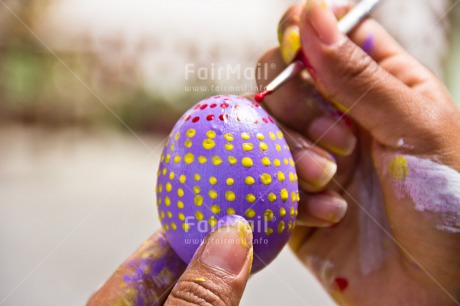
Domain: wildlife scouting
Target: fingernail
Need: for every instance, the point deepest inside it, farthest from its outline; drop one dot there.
(323, 21)
(332, 135)
(315, 170)
(229, 244)
(328, 208)
(290, 43)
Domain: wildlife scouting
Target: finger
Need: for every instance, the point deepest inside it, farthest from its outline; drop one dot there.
(297, 103)
(220, 268)
(353, 81)
(321, 210)
(315, 167)
(145, 278)
(289, 31)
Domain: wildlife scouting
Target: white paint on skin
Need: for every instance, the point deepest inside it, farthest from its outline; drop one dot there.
(435, 188)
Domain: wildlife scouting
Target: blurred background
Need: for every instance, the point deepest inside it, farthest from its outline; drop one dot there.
(88, 91)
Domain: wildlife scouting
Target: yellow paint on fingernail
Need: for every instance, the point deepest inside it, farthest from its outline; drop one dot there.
(290, 43)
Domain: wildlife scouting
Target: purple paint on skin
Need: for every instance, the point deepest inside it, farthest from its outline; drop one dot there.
(368, 44)
(433, 187)
(154, 268)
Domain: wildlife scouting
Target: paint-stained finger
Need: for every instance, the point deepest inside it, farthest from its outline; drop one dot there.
(145, 278)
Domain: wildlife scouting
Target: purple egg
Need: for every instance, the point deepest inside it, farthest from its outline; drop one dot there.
(225, 156)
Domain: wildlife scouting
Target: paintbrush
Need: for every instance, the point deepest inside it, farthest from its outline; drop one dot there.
(346, 24)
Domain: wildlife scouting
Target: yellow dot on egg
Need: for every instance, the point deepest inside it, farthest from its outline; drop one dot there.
(293, 196)
(291, 161)
(190, 133)
(167, 201)
(281, 176)
(162, 157)
(196, 189)
(198, 200)
(247, 162)
(171, 147)
(189, 158)
(229, 146)
(182, 178)
(188, 143)
(292, 212)
(260, 136)
(282, 212)
(215, 209)
(173, 226)
(168, 187)
(169, 214)
(180, 192)
(212, 221)
(177, 159)
(166, 227)
(230, 196)
(181, 216)
(271, 197)
(269, 231)
(272, 135)
(291, 177)
(278, 147)
(249, 180)
(297, 196)
(159, 200)
(290, 226)
(286, 161)
(172, 175)
(176, 137)
(211, 134)
(228, 137)
(162, 214)
(197, 177)
(263, 146)
(185, 227)
(229, 181)
(158, 172)
(164, 171)
(268, 214)
(281, 227)
(168, 158)
(180, 204)
(199, 215)
(160, 188)
(250, 198)
(232, 160)
(245, 136)
(284, 195)
(212, 180)
(277, 162)
(230, 211)
(247, 146)
(266, 178)
(280, 134)
(216, 160)
(250, 213)
(266, 161)
(213, 194)
(208, 144)
(202, 159)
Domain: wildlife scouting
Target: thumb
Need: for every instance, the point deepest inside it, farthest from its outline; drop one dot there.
(351, 79)
(220, 268)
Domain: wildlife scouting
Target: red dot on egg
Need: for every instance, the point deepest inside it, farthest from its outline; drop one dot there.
(197, 106)
(210, 117)
(342, 283)
(213, 105)
(265, 120)
(195, 119)
(188, 117)
(271, 120)
(216, 97)
(224, 105)
(223, 117)
(203, 106)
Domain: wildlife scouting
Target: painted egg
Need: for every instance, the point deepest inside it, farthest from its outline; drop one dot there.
(226, 155)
